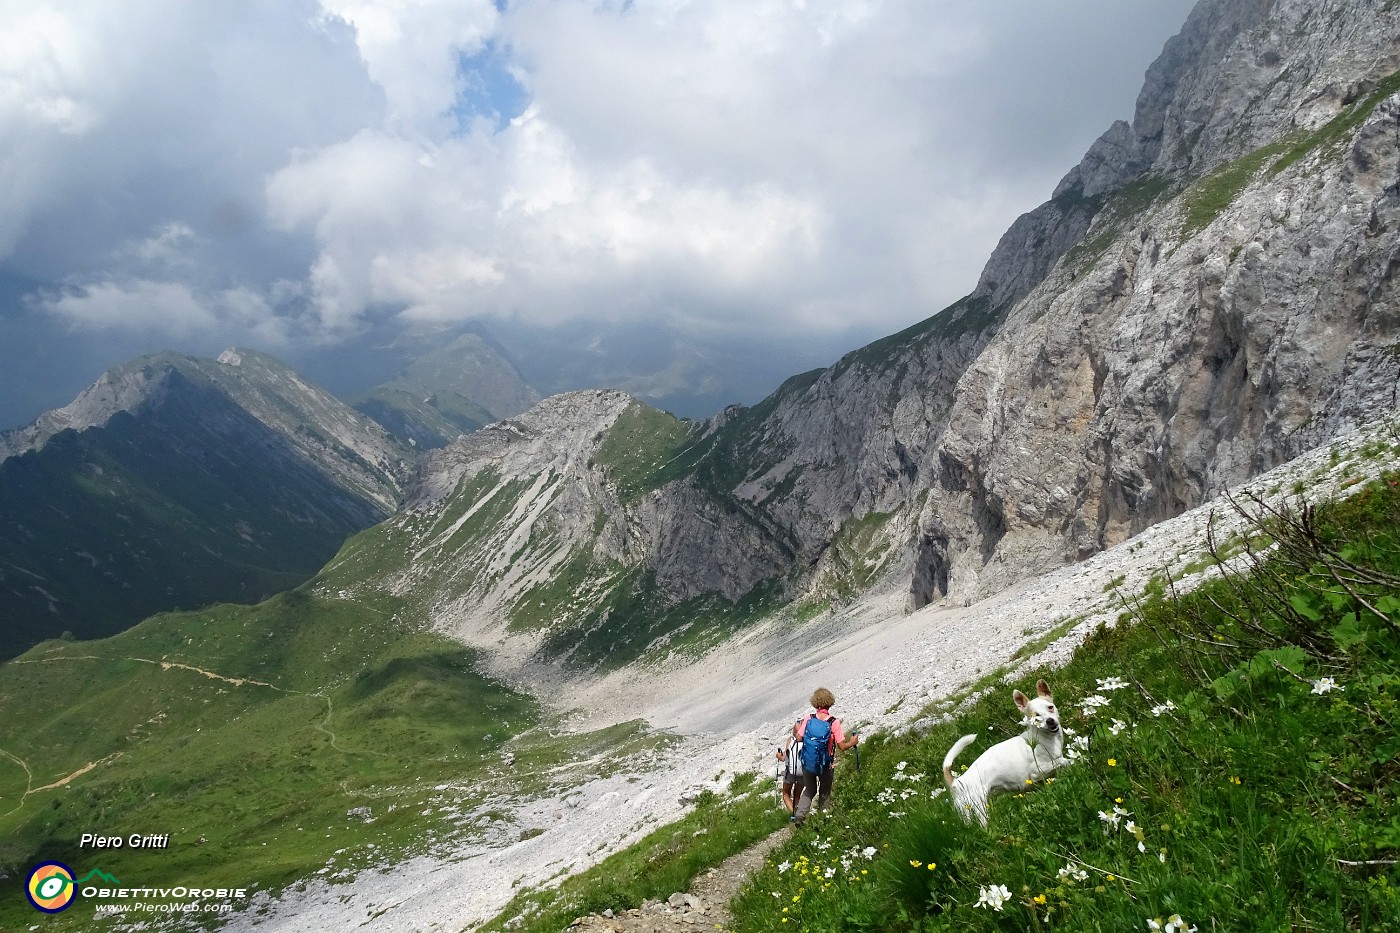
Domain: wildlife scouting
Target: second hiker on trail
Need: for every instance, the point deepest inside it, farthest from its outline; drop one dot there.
(820, 734)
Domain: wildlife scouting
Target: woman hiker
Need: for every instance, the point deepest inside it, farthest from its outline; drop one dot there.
(820, 734)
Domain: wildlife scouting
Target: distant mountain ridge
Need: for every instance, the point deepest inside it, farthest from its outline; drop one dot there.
(447, 392)
(175, 482)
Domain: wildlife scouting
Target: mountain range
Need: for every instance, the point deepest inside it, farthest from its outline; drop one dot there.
(1209, 293)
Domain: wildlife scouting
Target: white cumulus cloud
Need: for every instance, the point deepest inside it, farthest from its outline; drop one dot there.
(297, 168)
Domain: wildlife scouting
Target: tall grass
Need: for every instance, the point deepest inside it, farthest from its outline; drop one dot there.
(1238, 773)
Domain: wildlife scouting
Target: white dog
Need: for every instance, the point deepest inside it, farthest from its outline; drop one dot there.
(1013, 764)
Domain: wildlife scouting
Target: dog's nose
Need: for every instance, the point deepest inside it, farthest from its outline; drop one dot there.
(1052, 724)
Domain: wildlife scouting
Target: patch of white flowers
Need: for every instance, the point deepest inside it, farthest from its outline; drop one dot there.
(1092, 702)
(993, 896)
(1112, 819)
(1077, 746)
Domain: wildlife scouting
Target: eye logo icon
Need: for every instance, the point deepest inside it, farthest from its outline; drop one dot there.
(50, 887)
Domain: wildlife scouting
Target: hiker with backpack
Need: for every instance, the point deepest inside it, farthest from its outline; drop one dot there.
(820, 734)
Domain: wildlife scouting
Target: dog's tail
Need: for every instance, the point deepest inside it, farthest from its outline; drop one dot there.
(953, 752)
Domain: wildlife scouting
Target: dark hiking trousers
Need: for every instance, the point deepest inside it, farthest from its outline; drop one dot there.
(813, 788)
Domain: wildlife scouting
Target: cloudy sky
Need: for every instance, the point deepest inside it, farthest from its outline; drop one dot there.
(297, 175)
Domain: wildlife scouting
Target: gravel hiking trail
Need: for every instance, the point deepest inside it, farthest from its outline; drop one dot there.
(704, 907)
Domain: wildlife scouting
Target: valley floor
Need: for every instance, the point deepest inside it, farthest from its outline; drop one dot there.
(733, 706)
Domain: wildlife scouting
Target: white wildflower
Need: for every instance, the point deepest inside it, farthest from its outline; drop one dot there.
(1114, 818)
(1093, 702)
(993, 896)
(1163, 708)
(1072, 872)
(1117, 727)
(1325, 685)
(1112, 683)
(784, 867)
(868, 852)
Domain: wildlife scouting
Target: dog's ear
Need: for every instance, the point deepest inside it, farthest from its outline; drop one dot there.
(1020, 698)
(1042, 688)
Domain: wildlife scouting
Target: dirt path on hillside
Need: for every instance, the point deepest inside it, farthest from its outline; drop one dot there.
(704, 907)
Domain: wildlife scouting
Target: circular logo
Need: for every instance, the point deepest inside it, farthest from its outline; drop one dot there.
(50, 887)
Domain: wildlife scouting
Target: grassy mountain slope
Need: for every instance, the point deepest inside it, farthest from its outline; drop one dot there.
(1237, 770)
(304, 736)
(220, 483)
(579, 533)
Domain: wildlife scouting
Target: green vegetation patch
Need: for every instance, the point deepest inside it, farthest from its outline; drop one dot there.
(149, 513)
(637, 619)
(967, 315)
(1211, 195)
(1123, 207)
(431, 422)
(1335, 132)
(1205, 200)
(568, 596)
(858, 553)
(739, 450)
(301, 736)
(639, 444)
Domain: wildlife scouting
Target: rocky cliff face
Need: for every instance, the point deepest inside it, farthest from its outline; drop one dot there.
(1210, 292)
(1232, 305)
